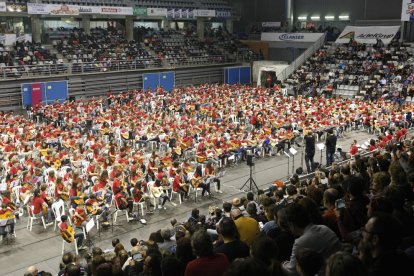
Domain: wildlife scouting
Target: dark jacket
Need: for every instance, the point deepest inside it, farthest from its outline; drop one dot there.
(330, 143)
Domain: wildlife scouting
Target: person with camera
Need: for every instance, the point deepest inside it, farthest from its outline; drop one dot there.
(309, 151)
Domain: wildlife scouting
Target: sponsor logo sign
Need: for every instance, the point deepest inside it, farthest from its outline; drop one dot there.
(204, 13)
(2, 6)
(297, 37)
(407, 13)
(368, 35)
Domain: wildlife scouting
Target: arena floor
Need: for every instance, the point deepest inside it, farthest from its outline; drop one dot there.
(42, 248)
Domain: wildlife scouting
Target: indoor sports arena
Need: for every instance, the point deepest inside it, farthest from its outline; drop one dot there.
(206, 137)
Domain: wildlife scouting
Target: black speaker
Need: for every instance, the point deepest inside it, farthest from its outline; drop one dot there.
(197, 107)
(249, 160)
(89, 123)
(72, 99)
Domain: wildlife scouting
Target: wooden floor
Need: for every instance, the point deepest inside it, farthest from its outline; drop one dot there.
(43, 247)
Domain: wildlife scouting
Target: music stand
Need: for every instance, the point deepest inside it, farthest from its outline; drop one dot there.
(321, 147)
(88, 227)
(293, 152)
(250, 180)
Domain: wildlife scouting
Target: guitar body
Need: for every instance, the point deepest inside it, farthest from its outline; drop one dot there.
(195, 182)
(80, 199)
(68, 235)
(93, 209)
(44, 210)
(156, 191)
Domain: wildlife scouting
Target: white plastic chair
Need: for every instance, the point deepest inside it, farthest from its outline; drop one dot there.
(119, 210)
(31, 217)
(140, 204)
(58, 209)
(74, 243)
(150, 184)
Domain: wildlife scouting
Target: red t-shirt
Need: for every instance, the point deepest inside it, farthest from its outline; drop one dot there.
(176, 183)
(117, 183)
(118, 197)
(37, 205)
(353, 150)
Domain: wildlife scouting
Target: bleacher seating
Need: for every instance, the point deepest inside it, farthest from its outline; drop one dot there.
(351, 70)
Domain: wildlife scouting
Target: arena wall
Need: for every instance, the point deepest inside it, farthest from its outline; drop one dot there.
(97, 84)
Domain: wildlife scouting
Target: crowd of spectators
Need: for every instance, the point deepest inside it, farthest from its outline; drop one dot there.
(201, 119)
(375, 70)
(103, 48)
(358, 222)
(184, 47)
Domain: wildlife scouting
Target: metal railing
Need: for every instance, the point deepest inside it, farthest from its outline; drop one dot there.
(27, 71)
(283, 75)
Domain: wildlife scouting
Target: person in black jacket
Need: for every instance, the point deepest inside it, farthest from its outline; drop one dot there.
(330, 144)
(309, 151)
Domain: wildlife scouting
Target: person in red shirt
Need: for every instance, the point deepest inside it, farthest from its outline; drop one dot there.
(5, 210)
(117, 181)
(80, 216)
(40, 208)
(354, 149)
(210, 173)
(64, 228)
(61, 192)
(123, 201)
(96, 207)
(372, 145)
(179, 185)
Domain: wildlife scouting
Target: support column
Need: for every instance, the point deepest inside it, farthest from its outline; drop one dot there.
(229, 25)
(86, 24)
(36, 28)
(129, 28)
(289, 14)
(165, 24)
(200, 27)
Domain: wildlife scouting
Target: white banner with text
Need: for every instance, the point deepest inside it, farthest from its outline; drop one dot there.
(296, 37)
(368, 35)
(407, 13)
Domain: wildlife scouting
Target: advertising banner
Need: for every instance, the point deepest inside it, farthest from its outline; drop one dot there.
(21, 37)
(140, 11)
(156, 12)
(271, 24)
(89, 10)
(368, 35)
(2, 6)
(204, 13)
(15, 7)
(223, 14)
(70, 10)
(407, 13)
(33, 8)
(116, 10)
(8, 39)
(297, 37)
(170, 13)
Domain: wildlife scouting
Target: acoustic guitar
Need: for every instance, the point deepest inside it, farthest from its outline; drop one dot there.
(195, 182)
(68, 235)
(156, 191)
(93, 209)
